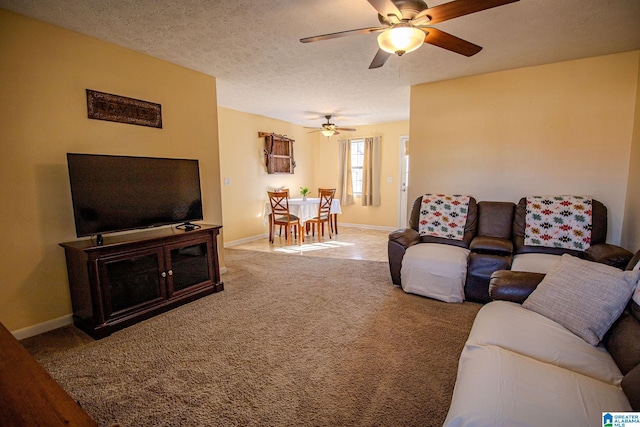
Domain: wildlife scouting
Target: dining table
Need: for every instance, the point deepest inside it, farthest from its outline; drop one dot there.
(305, 209)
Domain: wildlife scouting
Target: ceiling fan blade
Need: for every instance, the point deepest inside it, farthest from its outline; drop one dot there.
(346, 129)
(447, 41)
(379, 60)
(342, 34)
(457, 8)
(317, 130)
(386, 8)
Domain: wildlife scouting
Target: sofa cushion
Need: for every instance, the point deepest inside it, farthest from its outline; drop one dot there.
(491, 245)
(495, 219)
(514, 328)
(497, 387)
(583, 296)
(434, 270)
(534, 263)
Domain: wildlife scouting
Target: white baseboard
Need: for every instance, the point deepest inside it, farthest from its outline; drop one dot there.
(340, 224)
(245, 240)
(368, 227)
(41, 328)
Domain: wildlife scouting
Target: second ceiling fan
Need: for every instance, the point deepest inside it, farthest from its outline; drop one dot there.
(329, 129)
(406, 25)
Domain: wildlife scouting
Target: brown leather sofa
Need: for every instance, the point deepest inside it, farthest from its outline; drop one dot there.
(494, 234)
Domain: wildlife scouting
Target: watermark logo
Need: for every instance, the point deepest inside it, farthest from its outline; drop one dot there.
(621, 419)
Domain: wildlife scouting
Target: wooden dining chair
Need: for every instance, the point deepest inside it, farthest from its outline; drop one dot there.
(285, 190)
(324, 213)
(280, 215)
(331, 217)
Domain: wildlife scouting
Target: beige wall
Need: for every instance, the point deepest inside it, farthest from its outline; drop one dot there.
(44, 71)
(631, 228)
(241, 151)
(385, 215)
(562, 128)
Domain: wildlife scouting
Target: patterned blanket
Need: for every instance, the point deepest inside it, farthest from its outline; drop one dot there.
(559, 222)
(443, 216)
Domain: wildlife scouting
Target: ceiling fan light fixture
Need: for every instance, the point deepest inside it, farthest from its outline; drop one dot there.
(401, 39)
(328, 132)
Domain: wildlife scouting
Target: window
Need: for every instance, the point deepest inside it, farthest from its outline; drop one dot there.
(357, 161)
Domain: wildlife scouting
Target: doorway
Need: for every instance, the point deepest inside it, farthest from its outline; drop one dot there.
(403, 181)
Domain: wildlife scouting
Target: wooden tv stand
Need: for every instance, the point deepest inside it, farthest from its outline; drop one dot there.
(132, 277)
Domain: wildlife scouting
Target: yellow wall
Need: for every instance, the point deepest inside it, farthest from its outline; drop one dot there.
(44, 71)
(385, 215)
(631, 228)
(562, 128)
(241, 151)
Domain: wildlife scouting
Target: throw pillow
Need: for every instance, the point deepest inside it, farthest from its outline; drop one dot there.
(583, 296)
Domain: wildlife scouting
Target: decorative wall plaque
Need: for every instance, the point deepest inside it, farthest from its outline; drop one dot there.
(278, 153)
(115, 108)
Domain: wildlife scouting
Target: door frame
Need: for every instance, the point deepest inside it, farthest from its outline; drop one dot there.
(403, 187)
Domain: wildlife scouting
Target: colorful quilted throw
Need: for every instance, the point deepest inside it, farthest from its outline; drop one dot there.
(443, 216)
(559, 222)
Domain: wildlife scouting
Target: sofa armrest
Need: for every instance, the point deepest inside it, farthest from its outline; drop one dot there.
(405, 237)
(397, 245)
(514, 286)
(606, 253)
(491, 245)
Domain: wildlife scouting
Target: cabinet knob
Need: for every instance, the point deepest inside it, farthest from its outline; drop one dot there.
(164, 274)
(170, 272)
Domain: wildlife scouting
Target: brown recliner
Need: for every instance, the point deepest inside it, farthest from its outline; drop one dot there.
(401, 239)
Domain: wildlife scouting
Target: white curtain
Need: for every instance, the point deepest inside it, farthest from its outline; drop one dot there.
(371, 172)
(345, 189)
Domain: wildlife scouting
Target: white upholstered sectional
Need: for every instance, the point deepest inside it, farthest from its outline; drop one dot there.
(519, 368)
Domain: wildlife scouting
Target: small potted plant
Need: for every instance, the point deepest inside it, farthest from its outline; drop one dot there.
(305, 192)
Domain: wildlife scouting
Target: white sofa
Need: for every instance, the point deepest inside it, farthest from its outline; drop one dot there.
(520, 368)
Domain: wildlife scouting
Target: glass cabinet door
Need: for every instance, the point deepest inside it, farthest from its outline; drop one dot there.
(130, 282)
(190, 265)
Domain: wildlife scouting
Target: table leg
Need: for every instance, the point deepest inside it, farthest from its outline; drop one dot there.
(270, 228)
(334, 224)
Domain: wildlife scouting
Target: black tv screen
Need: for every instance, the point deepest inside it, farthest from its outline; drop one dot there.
(117, 193)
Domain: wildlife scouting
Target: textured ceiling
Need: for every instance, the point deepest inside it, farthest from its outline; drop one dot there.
(252, 47)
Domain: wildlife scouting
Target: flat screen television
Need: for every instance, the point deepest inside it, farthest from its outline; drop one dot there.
(118, 193)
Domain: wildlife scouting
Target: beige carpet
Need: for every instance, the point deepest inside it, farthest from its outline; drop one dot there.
(291, 341)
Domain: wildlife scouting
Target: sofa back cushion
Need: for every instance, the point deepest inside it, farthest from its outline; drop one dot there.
(495, 219)
(623, 339)
(623, 343)
(598, 230)
(470, 228)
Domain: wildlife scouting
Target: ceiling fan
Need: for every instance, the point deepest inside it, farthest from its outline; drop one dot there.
(329, 129)
(406, 26)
